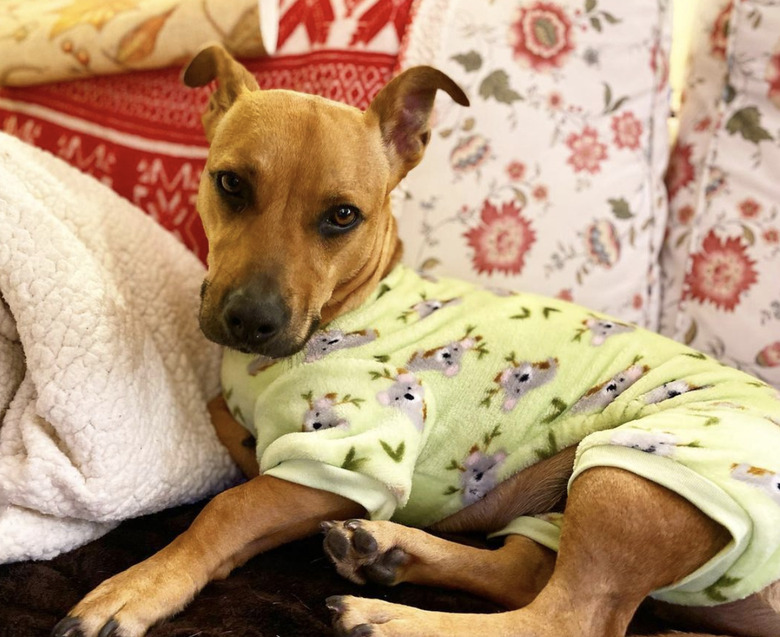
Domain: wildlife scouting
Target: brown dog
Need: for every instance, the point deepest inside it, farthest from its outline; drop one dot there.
(295, 203)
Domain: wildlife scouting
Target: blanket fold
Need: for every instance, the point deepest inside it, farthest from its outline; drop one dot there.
(104, 374)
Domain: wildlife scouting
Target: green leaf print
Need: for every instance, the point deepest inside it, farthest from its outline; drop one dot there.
(383, 289)
(481, 350)
(382, 358)
(471, 61)
(488, 399)
(524, 314)
(549, 310)
(490, 437)
(620, 208)
(351, 462)
(715, 593)
(238, 415)
(496, 85)
(353, 400)
(550, 450)
(558, 407)
(450, 490)
(747, 122)
(396, 454)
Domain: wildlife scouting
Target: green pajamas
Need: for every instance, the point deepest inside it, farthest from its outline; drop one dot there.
(421, 401)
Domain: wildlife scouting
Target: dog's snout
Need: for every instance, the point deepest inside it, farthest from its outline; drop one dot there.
(252, 319)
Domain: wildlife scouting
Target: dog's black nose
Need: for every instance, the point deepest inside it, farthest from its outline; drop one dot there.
(252, 318)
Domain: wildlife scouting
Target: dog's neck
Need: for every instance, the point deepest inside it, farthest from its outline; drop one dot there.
(385, 255)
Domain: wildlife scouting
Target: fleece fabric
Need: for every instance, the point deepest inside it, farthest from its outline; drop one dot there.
(104, 374)
(421, 401)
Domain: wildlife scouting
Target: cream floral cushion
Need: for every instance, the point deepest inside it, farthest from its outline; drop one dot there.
(51, 40)
(552, 180)
(722, 259)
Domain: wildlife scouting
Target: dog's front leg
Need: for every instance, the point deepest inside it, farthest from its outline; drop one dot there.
(234, 437)
(237, 524)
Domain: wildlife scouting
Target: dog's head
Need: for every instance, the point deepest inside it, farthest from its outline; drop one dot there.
(295, 199)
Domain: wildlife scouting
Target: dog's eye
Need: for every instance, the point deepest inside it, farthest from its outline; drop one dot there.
(340, 218)
(230, 183)
(343, 216)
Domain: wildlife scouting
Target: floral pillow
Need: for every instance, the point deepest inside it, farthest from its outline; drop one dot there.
(705, 81)
(725, 240)
(552, 181)
(53, 40)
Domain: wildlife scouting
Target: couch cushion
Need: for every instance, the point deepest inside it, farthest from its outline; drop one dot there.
(723, 254)
(552, 180)
(52, 40)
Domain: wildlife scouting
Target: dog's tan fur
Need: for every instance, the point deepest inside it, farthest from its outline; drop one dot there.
(298, 156)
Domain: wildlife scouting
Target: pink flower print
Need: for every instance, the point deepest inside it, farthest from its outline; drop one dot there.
(541, 36)
(769, 356)
(771, 235)
(587, 151)
(749, 208)
(680, 172)
(501, 240)
(773, 78)
(719, 36)
(685, 214)
(516, 170)
(539, 192)
(703, 124)
(555, 100)
(720, 272)
(627, 130)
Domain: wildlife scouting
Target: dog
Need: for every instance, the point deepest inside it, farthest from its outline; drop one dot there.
(303, 275)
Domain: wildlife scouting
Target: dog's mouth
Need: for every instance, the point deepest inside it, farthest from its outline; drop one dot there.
(283, 343)
(281, 347)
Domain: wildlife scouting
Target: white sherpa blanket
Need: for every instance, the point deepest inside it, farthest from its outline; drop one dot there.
(104, 374)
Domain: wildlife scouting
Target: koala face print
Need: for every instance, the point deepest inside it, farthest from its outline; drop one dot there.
(327, 342)
(656, 442)
(601, 330)
(766, 480)
(667, 391)
(322, 415)
(428, 307)
(407, 395)
(445, 359)
(479, 476)
(602, 395)
(517, 381)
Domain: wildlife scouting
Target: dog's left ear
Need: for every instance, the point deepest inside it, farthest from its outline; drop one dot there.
(215, 63)
(403, 110)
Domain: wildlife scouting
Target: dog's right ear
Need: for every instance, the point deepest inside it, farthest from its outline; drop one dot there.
(215, 63)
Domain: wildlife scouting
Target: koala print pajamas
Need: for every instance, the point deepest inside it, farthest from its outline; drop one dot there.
(424, 399)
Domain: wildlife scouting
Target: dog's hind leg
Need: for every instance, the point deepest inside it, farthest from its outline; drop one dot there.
(389, 553)
(623, 537)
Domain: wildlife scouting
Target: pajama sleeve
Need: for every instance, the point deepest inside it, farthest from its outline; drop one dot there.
(352, 427)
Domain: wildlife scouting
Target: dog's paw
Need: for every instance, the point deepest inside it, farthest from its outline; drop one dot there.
(365, 551)
(127, 604)
(361, 617)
